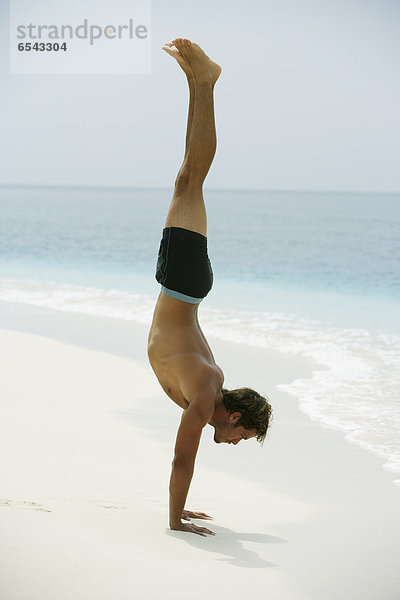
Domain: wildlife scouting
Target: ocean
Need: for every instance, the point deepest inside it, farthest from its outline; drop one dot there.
(313, 274)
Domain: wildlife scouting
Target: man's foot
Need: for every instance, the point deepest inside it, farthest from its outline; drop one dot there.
(174, 52)
(202, 67)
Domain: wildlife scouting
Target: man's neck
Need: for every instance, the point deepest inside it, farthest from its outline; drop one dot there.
(219, 412)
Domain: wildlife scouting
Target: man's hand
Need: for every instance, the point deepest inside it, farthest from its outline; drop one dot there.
(189, 514)
(192, 528)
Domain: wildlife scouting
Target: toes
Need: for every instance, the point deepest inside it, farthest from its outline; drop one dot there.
(181, 48)
(168, 50)
(172, 50)
(187, 44)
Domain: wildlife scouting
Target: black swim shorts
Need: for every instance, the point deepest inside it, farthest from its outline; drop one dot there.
(183, 267)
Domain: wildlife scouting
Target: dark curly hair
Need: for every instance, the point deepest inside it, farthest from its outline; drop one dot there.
(255, 409)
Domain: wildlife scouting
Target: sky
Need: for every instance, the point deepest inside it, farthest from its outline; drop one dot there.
(308, 99)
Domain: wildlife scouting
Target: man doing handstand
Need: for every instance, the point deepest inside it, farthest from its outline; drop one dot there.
(178, 351)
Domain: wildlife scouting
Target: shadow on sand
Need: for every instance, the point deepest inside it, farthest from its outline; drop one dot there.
(229, 543)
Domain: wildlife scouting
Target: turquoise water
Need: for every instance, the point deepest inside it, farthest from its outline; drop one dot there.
(313, 274)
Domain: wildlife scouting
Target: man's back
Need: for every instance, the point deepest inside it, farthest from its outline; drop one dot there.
(179, 353)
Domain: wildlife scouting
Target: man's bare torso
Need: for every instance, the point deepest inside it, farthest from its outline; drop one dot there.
(179, 353)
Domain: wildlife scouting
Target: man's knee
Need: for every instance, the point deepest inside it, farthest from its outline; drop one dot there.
(187, 178)
(182, 180)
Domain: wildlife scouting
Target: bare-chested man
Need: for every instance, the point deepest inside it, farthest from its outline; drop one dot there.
(178, 351)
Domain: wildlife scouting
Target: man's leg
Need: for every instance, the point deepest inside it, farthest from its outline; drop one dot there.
(174, 52)
(187, 208)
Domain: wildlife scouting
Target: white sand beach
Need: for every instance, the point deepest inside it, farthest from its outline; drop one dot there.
(86, 442)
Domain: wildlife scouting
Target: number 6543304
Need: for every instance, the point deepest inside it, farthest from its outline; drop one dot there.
(42, 46)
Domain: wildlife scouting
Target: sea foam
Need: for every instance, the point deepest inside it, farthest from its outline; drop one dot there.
(356, 391)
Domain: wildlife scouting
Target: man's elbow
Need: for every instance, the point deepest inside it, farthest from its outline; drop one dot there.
(182, 466)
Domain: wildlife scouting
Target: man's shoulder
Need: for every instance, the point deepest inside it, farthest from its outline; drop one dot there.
(205, 379)
(203, 391)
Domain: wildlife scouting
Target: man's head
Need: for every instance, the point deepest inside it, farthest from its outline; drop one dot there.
(243, 414)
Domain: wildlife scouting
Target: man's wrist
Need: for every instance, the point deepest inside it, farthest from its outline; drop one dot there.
(175, 524)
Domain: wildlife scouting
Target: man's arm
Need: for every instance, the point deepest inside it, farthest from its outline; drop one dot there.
(193, 420)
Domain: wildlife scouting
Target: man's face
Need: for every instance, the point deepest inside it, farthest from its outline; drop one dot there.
(229, 434)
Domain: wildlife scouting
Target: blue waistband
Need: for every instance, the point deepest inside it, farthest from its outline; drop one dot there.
(179, 296)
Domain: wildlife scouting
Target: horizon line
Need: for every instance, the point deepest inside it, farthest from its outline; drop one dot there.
(211, 189)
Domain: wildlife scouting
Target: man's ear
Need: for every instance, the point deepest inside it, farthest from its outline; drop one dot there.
(234, 417)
